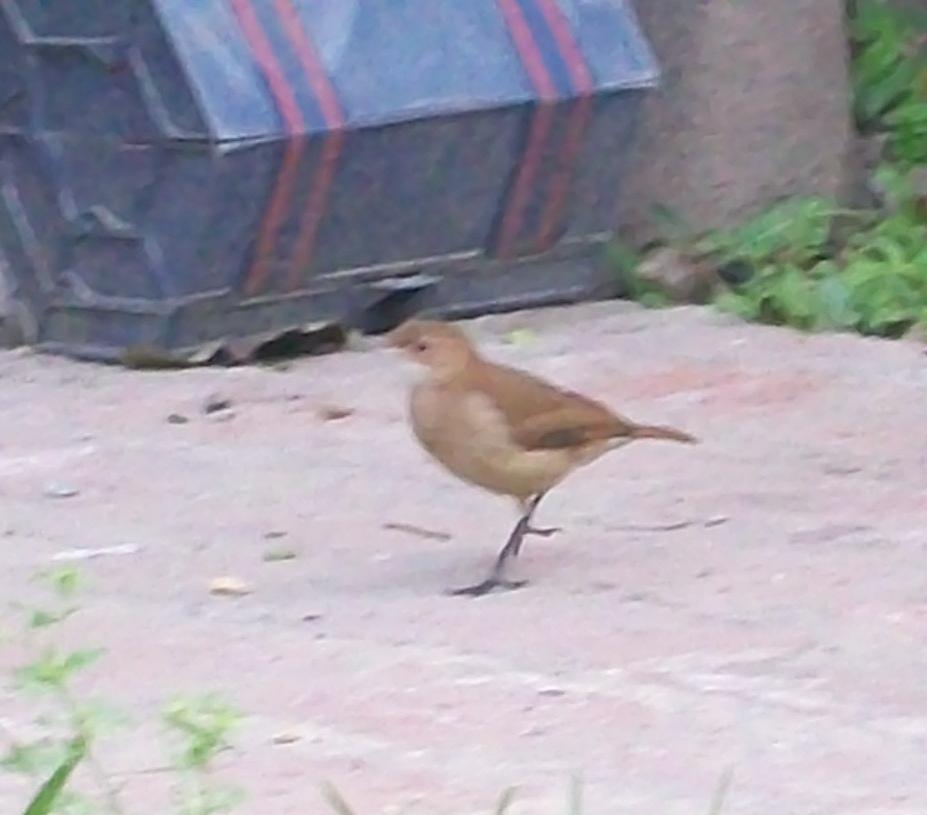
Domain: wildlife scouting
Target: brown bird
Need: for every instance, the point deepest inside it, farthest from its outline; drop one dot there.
(505, 430)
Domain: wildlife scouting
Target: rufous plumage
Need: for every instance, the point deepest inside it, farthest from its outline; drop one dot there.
(503, 429)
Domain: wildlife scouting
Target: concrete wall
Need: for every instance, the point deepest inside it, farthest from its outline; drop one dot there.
(754, 106)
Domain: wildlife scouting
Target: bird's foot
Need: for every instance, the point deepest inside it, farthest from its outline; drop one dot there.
(543, 531)
(490, 584)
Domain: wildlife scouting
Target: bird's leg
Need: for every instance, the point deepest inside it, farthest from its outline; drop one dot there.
(496, 579)
(529, 507)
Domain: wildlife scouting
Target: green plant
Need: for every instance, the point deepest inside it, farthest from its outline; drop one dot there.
(49, 794)
(71, 725)
(202, 725)
(889, 73)
(872, 280)
(794, 233)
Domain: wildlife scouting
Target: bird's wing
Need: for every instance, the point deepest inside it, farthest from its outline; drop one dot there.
(565, 428)
(541, 416)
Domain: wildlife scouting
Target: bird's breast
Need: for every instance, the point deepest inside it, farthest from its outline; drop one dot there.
(470, 436)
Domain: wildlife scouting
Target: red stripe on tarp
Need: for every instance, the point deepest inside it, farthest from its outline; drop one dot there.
(311, 63)
(569, 49)
(331, 149)
(541, 122)
(315, 207)
(577, 123)
(552, 216)
(288, 108)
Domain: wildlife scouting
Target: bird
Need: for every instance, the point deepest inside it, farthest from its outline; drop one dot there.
(503, 429)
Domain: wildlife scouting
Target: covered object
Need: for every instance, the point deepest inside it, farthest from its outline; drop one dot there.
(178, 173)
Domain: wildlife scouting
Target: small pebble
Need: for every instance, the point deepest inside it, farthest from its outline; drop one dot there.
(60, 491)
(216, 403)
(334, 413)
(277, 555)
(229, 587)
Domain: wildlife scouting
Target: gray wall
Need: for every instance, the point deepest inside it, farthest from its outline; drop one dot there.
(754, 106)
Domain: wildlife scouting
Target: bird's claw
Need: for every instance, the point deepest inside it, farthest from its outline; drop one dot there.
(543, 531)
(489, 585)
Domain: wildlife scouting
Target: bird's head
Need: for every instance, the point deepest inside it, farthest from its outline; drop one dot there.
(442, 348)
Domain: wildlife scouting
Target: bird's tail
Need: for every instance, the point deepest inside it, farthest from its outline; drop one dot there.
(644, 431)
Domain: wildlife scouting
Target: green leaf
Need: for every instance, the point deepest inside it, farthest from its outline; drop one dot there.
(740, 305)
(892, 87)
(32, 759)
(908, 137)
(54, 670)
(796, 231)
(792, 298)
(65, 581)
(888, 74)
(43, 618)
(895, 184)
(622, 257)
(836, 310)
(205, 723)
(80, 659)
(48, 795)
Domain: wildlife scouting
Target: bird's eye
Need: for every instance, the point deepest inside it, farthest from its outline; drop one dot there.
(421, 345)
